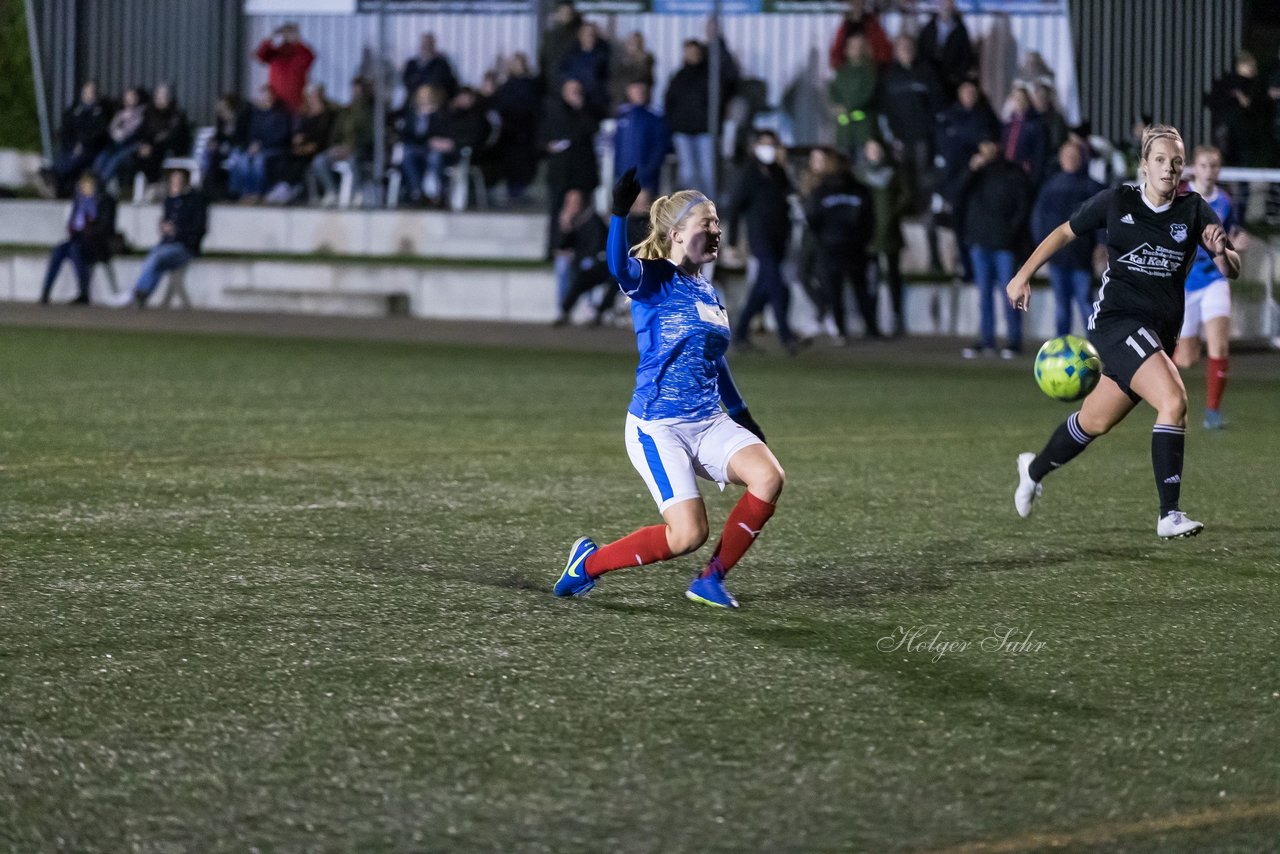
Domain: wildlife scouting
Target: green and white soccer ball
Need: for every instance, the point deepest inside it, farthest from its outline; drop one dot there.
(1067, 367)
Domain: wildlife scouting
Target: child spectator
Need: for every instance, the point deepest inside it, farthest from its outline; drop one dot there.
(90, 229)
(852, 92)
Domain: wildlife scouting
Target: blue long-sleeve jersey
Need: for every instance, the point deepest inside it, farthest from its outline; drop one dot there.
(1203, 271)
(682, 333)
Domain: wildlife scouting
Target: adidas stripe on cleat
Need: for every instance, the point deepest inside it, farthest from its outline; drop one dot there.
(574, 581)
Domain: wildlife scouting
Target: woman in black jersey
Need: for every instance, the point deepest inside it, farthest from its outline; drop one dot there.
(1152, 237)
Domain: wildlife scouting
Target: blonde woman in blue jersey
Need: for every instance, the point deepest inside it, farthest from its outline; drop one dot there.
(676, 429)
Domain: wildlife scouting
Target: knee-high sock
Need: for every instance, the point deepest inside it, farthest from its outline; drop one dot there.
(1217, 381)
(647, 545)
(1063, 446)
(1167, 443)
(745, 522)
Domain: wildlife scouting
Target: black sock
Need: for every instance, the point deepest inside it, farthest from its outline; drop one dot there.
(1167, 443)
(1063, 447)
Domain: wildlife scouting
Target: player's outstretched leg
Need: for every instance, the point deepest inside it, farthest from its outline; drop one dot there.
(685, 531)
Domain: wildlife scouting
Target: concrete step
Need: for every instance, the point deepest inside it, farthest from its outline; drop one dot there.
(308, 231)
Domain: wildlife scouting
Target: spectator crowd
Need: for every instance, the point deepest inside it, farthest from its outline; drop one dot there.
(915, 137)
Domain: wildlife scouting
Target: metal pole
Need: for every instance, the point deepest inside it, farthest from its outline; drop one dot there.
(37, 76)
(713, 97)
(380, 106)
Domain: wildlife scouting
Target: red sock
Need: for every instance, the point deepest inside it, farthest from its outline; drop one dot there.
(1217, 381)
(647, 545)
(740, 530)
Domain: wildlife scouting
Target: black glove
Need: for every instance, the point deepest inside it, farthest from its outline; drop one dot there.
(625, 192)
(744, 418)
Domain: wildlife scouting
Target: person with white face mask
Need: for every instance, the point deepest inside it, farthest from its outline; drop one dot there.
(761, 197)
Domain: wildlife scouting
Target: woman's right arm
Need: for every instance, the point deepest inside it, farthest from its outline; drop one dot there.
(1019, 288)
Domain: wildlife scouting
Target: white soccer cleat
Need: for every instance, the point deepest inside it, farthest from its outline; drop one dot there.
(1177, 524)
(1028, 490)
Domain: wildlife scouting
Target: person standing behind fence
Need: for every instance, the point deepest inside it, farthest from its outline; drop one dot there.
(90, 229)
(1071, 269)
(993, 211)
(520, 108)
(839, 215)
(628, 65)
(567, 137)
(858, 18)
(761, 197)
(288, 59)
(642, 139)
(944, 43)
(685, 108)
(892, 198)
(429, 68)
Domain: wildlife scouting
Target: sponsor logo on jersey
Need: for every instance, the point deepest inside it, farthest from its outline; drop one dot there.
(1178, 231)
(709, 313)
(1127, 219)
(1153, 260)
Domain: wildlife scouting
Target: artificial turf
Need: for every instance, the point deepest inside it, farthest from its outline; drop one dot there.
(295, 595)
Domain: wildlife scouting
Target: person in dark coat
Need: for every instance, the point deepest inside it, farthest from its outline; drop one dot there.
(230, 132)
(761, 198)
(944, 43)
(182, 228)
(1071, 269)
(166, 132)
(685, 109)
(519, 105)
(993, 210)
(82, 137)
(839, 214)
(124, 134)
(312, 133)
(567, 136)
(429, 67)
(557, 39)
(960, 128)
(90, 229)
(587, 60)
(421, 127)
(642, 138)
(858, 18)
(892, 198)
(583, 235)
(1240, 114)
(252, 168)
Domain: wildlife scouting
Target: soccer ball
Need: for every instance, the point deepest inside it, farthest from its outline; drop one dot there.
(1067, 367)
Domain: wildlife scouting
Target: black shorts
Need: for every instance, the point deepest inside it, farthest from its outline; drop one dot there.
(1124, 343)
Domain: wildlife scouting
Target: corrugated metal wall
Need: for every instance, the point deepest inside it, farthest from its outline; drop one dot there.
(198, 45)
(787, 51)
(1153, 56)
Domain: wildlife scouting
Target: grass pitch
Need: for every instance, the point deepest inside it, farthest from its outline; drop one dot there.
(295, 595)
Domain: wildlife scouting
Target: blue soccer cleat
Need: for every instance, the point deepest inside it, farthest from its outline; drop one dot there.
(574, 581)
(709, 590)
(1213, 420)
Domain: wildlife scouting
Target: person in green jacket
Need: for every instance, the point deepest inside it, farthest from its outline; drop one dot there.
(892, 198)
(352, 142)
(852, 94)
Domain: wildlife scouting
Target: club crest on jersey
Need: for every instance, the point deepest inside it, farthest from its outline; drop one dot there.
(1179, 231)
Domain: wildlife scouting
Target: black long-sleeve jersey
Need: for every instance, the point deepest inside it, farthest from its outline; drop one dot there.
(1149, 251)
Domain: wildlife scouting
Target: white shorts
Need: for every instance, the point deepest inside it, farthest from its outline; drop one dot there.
(1205, 304)
(671, 453)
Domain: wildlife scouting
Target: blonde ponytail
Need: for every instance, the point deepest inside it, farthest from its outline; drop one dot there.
(665, 215)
